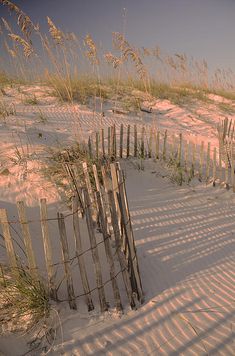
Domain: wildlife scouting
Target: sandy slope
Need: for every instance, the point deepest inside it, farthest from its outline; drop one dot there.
(185, 239)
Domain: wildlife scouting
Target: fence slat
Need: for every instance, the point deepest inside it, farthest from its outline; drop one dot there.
(66, 261)
(94, 250)
(142, 153)
(214, 166)
(200, 172)
(47, 249)
(80, 257)
(135, 141)
(97, 145)
(27, 239)
(102, 142)
(150, 142)
(103, 223)
(179, 153)
(115, 188)
(90, 147)
(232, 167)
(109, 141)
(121, 141)
(164, 146)
(124, 208)
(128, 141)
(89, 188)
(208, 160)
(8, 240)
(121, 257)
(158, 145)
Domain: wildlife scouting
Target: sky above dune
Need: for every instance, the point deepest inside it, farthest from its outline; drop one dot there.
(203, 29)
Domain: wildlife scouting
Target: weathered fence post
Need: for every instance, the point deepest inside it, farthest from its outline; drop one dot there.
(208, 159)
(8, 240)
(94, 251)
(214, 166)
(201, 160)
(135, 141)
(27, 239)
(106, 237)
(47, 249)
(102, 142)
(79, 254)
(121, 141)
(66, 261)
(128, 141)
(164, 146)
(121, 257)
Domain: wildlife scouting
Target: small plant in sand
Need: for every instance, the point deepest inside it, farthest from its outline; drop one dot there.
(6, 110)
(42, 119)
(178, 173)
(31, 100)
(24, 301)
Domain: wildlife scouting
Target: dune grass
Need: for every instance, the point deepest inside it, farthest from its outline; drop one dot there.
(23, 301)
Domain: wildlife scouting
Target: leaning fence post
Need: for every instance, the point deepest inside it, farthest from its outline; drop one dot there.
(8, 240)
(47, 248)
(106, 237)
(94, 251)
(125, 214)
(27, 239)
(121, 257)
(79, 254)
(66, 261)
(89, 188)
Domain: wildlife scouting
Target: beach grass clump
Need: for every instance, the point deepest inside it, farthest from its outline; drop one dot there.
(226, 108)
(24, 301)
(79, 90)
(65, 168)
(6, 110)
(31, 100)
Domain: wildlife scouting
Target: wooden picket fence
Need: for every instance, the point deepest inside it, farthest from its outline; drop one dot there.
(99, 203)
(210, 164)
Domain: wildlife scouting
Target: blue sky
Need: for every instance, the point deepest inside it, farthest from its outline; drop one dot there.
(199, 28)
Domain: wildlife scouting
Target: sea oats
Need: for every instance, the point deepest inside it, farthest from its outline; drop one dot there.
(27, 48)
(56, 34)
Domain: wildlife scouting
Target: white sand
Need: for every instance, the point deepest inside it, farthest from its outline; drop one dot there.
(185, 238)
